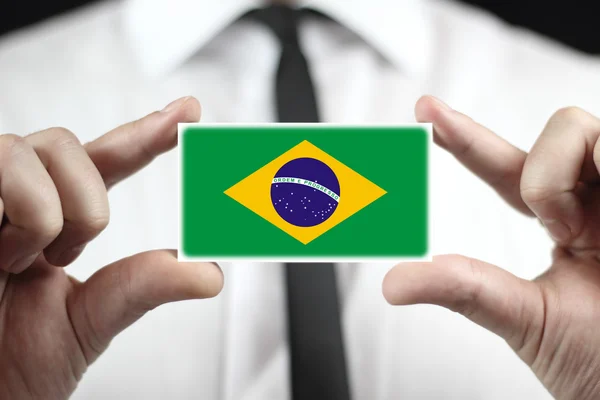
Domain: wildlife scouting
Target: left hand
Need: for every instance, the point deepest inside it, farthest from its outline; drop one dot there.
(553, 322)
(53, 327)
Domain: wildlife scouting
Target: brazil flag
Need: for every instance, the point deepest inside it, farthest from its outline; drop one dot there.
(285, 192)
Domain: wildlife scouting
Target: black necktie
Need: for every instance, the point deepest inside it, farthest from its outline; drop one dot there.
(318, 365)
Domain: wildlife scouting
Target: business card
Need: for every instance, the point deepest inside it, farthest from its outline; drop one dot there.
(304, 192)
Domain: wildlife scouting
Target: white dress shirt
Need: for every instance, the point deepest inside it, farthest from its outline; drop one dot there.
(116, 61)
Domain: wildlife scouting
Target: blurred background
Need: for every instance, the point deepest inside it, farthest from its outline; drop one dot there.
(573, 23)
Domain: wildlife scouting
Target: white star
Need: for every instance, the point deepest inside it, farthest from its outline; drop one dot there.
(276, 185)
(292, 194)
(291, 210)
(309, 201)
(304, 196)
(305, 208)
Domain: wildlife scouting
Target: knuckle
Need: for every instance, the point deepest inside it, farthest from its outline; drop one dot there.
(130, 283)
(535, 194)
(11, 144)
(63, 138)
(465, 148)
(145, 149)
(124, 279)
(469, 292)
(48, 227)
(97, 216)
(570, 114)
(134, 126)
(97, 220)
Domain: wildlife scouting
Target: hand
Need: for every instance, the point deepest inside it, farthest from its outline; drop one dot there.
(54, 201)
(552, 323)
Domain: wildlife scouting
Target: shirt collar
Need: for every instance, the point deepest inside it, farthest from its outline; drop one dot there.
(164, 34)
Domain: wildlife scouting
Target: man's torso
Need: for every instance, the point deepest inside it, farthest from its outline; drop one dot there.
(83, 73)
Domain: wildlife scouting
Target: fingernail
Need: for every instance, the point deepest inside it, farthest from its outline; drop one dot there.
(22, 264)
(558, 230)
(441, 103)
(175, 104)
(70, 255)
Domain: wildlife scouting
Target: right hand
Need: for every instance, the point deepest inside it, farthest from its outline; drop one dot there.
(53, 199)
(553, 322)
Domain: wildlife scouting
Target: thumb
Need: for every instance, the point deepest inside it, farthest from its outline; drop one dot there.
(119, 294)
(510, 307)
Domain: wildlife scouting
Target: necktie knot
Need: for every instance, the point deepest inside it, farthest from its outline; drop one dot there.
(282, 20)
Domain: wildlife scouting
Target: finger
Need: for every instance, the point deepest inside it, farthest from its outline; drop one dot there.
(128, 148)
(119, 294)
(554, 168)
(487, 295)
(484, 153)
(80, 187)
(32, 210)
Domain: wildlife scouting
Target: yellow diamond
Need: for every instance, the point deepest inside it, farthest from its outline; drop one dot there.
(253, 192)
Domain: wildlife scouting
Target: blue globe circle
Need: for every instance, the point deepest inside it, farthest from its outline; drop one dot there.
(310, 196)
